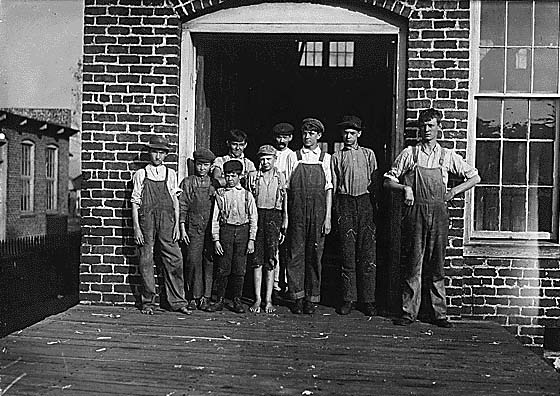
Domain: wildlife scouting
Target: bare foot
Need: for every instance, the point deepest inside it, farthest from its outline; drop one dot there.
(147, 311)
(256, 307)
(269, 308)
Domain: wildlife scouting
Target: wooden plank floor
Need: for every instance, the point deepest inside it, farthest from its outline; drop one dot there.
(97, 350)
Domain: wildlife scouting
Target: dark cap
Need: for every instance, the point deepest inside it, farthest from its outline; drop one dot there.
(158, 142)
(351, 122)
(312, 124)
(283, 128)
(266, 149)
(233, 166)
(204, 155)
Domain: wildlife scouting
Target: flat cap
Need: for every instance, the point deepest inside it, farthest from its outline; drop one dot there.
(312, 124)
(283, 128)
(204, 155)
(266, 149)
(350, 121)
(158, 142)
(233, 166)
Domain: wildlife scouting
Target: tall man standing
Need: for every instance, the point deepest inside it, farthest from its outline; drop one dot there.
(353, 173)
(421, 172)
(309, 211)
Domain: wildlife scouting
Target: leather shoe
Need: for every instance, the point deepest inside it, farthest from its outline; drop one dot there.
(204, 303)
(403, 322)
(237, 306)
(443, 323)
(297, 308)
(346, 308)
(217, 306)
(369, 309)
(308, 307)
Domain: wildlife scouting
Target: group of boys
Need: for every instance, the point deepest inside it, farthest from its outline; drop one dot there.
(278, 214)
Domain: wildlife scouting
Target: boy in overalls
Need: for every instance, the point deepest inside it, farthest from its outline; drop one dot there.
(269, 190)
(309, 213)
(421, 172)
(155, 216)
(353, 172)
(237, 143)
(234, 228)
(195, 205)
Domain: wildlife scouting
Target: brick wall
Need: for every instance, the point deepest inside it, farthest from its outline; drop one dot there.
(34, 223)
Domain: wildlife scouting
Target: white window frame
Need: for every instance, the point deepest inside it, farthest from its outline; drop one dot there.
(470, 233)
(51, 176)
(27, 177)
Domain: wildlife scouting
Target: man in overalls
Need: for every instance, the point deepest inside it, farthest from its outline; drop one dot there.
(421, 172)
(309, 211)
(155, 216)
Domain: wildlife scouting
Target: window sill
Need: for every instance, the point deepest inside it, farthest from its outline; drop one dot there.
(511, 249)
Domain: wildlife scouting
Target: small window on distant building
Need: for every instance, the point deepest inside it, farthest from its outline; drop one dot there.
(311, 53)
(27, 176)
(52, 177)
(341, 54)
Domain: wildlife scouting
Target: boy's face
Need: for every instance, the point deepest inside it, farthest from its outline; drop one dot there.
(281, 141)
(267, 162)
(350, 137)
(201, 167)
(232, 179)
(430, 130)
(236, 148)
(310, 138)
(157, 156)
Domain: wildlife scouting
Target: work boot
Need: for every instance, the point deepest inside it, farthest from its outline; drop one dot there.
(204, 303)
(369, 309)
(237, 306)
(403, 321)
(443, 323)
(217, 306)
(308, 307)
(192, 305)
(297, 308)
(346, 308)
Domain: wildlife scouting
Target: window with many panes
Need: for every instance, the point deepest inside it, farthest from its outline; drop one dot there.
(51, 173)
(27, 176)
(516, 100)
(331, 53)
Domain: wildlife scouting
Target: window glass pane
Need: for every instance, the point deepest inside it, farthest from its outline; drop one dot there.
(546, 23)
(514, 163)
(520, 26)
(545, 77)
(516, 116)
(488, 160)
(543, 119)
(541, 160)
(513, 209)
(492, 22)
(491, 70)
(518, 70)
(540, 210)
(486, 208)
(488, 118)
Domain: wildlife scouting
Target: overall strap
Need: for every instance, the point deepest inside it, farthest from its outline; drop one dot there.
(321, 156)
(247, 202)
(166, 175)
(442, 156)
(415, 155)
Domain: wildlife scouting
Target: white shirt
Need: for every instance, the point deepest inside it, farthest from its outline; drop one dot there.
(311, 157)
(282, 160)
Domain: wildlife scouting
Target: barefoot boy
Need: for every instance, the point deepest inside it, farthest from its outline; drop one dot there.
(234, 228)
(195, 205)
(269, 189)
(155, 217)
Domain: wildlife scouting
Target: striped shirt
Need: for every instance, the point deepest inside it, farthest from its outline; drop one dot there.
(352, 169)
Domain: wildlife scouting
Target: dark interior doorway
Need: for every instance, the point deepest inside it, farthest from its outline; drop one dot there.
(252, 81)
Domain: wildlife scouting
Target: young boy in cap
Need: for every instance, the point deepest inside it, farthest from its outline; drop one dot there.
(269, 189)
(195, 205)
(155, 217)
(353, 173)
(282, 136)
(234, 228)
(309, 211)
(237, 143)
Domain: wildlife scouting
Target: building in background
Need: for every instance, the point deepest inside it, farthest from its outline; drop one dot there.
(34, 172)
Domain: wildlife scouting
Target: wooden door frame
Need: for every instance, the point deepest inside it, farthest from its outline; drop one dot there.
(285, 18)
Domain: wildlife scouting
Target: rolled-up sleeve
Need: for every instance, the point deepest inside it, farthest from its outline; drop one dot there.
(401, 165)
(460, 167)
(327, 169)
(215, 225)
(137, 186)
